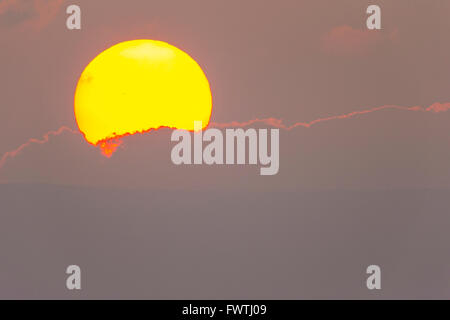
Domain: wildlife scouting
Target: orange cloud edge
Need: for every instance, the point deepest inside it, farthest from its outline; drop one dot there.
(108, 146)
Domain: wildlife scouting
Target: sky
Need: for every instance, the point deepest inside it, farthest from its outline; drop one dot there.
(296, 61)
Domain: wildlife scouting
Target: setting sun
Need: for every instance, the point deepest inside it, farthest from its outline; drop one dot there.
(139, 85)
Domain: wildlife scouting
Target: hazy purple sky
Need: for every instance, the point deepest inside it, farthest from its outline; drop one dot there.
(293, 60)
(290, 60)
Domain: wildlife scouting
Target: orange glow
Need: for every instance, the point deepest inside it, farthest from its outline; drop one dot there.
(108, 147)
(136, 86)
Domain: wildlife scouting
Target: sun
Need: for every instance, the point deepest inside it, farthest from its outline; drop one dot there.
(139, 85)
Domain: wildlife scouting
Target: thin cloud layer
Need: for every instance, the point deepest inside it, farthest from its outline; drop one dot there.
(34, 14)
(273, 122)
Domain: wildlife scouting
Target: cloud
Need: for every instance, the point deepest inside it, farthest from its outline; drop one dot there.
(34, 14)
(439, 107)
(45, 138)
(6, 5)
(272, 122)
(345, 40)
(278, 123)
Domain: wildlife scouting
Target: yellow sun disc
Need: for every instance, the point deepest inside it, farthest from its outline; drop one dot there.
(140, 85)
